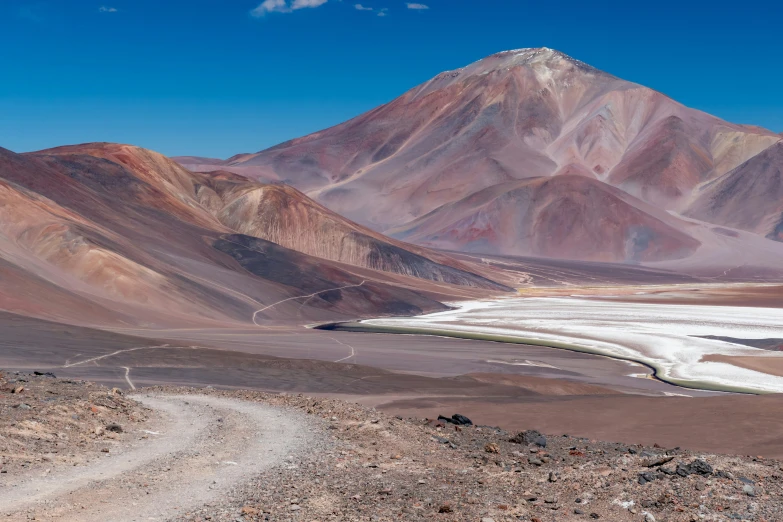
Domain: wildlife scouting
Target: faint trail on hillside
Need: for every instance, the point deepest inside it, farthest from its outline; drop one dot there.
(95, 359)
(353, 351)
(345, 385)
(127, 378)
(726, 272)
(449, 290)
(308, 296)
(68, 361)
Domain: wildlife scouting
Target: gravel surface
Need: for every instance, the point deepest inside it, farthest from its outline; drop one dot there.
(250, 456)
(193, 452)
(387, 468)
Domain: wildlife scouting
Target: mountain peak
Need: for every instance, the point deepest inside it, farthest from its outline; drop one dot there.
(540, 56)
(532, 52)
(535, 58)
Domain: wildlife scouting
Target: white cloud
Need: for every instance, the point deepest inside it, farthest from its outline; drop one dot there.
(381, 12)
(301, 4)
(104, 9)
(284, 6)
(270, 6)
(417, 6)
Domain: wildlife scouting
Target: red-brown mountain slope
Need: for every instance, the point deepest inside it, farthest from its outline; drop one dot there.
(567, 216)
(285, 216)
(749, 197)
(113, 234)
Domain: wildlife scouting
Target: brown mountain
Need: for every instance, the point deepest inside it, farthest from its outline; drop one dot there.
(114, 234)
(285, 216)
(568, 216)
(474, 132)
(749, 197)
(199, 164)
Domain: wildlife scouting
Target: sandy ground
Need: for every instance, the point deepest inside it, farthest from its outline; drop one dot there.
(197, 449)
(745, 425)
(769, 365)
(436, 357)
(251, 358)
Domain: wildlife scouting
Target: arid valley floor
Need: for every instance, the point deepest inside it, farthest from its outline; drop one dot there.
(513, 385)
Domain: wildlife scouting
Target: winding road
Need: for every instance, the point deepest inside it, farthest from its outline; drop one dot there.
(200, 448)
(308, 296)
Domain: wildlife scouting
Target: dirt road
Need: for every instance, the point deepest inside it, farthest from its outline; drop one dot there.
(200, 448)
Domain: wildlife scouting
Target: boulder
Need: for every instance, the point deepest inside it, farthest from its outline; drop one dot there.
(459, 420)
(529, 437)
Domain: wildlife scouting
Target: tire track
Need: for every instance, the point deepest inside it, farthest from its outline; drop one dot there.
(308, 296)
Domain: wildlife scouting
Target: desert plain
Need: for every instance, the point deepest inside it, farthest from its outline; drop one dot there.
(605, 362)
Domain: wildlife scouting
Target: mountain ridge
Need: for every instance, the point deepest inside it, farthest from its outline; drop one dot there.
(512, 116)
(114, 234)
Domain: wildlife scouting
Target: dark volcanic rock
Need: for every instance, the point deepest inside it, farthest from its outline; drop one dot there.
(459, 420)
(700, 467)
(646, 477)
(529, 437)
(697, 467)
(683, 469)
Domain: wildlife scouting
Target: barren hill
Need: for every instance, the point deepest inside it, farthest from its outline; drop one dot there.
(114, 234)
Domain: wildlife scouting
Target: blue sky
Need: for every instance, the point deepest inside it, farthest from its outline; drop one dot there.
(219, 77)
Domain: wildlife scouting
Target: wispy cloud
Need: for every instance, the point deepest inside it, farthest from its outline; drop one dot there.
(417, 6)
(284, 6)
(300, 4)
(270, 6)
(104, 9)
(383, 11)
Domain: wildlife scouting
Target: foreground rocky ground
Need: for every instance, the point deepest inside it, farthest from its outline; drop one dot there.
(366, 465)
(47, 422)
(388, 468)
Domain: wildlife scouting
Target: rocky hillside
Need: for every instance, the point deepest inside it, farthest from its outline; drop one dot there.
(283, 215)
(107, 234)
